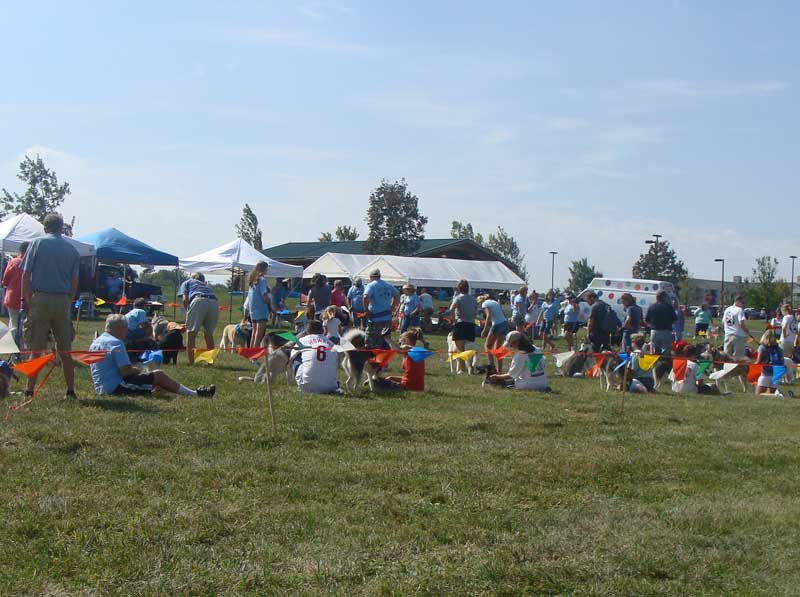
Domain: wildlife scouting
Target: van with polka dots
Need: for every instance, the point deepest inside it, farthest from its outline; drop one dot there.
(609, 290)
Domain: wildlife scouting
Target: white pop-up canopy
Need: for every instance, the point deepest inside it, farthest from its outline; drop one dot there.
(427, 271)
(238, 255)
(23, 227)
(338, 265)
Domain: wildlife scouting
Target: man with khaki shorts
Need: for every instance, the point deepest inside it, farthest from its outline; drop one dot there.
(49, 284)
(736, 332)
(202, 312)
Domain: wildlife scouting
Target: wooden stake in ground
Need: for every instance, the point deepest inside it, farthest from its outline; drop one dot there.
(625, 382)
(269, 392)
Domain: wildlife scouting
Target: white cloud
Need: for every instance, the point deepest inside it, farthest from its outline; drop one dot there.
(323, 10)
(421, 111)
(499, 136)
(682, 88)
(293, 38)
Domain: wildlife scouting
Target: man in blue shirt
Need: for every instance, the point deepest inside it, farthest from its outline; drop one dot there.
(355, 298)
(49, 283)
(135, 318)
(202, 312)
(278, 298)
(380, 302)
(115, 374)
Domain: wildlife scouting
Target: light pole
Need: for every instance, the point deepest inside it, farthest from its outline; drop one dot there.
(791, 299)
(721, 284)
(553, 268)
(655, 242)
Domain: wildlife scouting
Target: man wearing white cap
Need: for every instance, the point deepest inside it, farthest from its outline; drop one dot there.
(380, 301)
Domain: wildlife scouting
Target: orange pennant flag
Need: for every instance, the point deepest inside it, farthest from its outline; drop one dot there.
(174, 305)
(679, 369)
(753, 373)
(88, 357)
(31, 368)
(383, 357)
(121, 302)
(594, 371)
(500, 353)
(253, 353)
(224, 308)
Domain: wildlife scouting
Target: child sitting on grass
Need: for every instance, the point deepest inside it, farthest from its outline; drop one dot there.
(522, 375)
(413, 378)
(641, 381)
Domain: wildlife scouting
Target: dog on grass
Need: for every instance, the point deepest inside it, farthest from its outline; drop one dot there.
(452, 349)
(236, 335)
(355, 359)
(277, 363)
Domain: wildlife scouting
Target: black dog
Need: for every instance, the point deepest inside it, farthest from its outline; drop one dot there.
(172, 344)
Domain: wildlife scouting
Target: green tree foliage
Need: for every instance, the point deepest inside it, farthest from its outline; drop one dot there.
(395, 223)
(342, 234)
(581, 274)
(43, 194)
(661, 263)
(163, 277)
(459, 230)
(502, 243)
(248, 229)
(346, 233)
(764, 288)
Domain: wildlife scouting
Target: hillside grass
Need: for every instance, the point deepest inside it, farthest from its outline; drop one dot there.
(458, 490)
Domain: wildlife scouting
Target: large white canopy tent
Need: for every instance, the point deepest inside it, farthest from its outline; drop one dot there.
(445, 273)
(23, 227)
(237, 255)
(338, 265)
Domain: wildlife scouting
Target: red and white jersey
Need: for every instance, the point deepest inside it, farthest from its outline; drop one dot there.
(317, 371)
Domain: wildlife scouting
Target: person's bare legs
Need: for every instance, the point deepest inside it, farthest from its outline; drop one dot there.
(165, 382)
(259, 330)
(191, 340)
(69, 371)
(209, 336)
(460, 365)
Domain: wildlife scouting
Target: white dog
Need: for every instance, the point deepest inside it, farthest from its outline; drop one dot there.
(277, 362)
(452, 349)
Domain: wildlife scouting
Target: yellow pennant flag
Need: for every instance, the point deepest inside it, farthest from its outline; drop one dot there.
(299, 315)
(205, 356)
(98, 301)
(464, 356)
(647, 361)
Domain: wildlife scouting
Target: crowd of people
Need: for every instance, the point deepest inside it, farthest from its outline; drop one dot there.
(41, 282)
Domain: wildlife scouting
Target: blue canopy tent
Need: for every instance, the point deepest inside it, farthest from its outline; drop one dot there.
(113, 246)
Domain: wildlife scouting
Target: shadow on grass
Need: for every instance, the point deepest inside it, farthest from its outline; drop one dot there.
(121, 405)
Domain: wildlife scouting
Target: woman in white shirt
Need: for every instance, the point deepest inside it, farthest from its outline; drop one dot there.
(788, 331)
(520, 376)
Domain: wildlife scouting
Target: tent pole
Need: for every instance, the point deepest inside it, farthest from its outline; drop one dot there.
(175, 299)
(269, 393)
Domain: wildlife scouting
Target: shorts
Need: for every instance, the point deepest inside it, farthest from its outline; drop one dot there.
(765, 381)
(735, 346)
(264, 321)
(140, 384)
(48, 312)
(661, 341)
(464, 331)
(547, 326)
(572, 326)
(202, 315)
(499, 329)
(700, 327)
(518, 319)
(788, 349)
(375, 333)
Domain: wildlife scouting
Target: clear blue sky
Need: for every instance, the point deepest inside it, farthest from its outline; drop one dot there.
(581, 127)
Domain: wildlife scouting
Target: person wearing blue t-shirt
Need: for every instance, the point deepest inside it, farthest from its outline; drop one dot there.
(202, 312)
(135, 318)
(115, 374)
(519, 306)
(411, 308)
(380, 302)
(355, 302)
(258, 301)
(549, 315)
(495, 327)
(278, 299)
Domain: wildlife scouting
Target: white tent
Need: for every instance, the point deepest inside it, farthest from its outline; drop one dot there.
(338, 265)
(23, 227)
(425, 271)
(237, 255)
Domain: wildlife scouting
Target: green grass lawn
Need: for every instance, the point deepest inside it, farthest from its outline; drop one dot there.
(459, 490)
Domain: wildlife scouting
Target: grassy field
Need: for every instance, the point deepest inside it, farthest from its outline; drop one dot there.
(460, 490)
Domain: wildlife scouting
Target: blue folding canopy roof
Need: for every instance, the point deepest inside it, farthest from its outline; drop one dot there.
(116, 247)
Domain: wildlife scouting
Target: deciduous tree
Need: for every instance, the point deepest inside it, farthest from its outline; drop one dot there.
(248, 229)
(660, 263)
(43, 194)
(581, 274)
(395, 223)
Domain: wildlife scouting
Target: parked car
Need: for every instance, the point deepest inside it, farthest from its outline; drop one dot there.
(751, 313)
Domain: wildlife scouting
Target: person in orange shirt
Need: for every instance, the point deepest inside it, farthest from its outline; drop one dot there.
(413, 378)
(12, 297)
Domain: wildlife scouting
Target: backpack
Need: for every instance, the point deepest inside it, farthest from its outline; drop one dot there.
(611, 321)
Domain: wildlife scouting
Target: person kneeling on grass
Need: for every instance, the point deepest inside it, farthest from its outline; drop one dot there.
(413, 378)
(115, 374)
(315, 362)
(520, 376)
